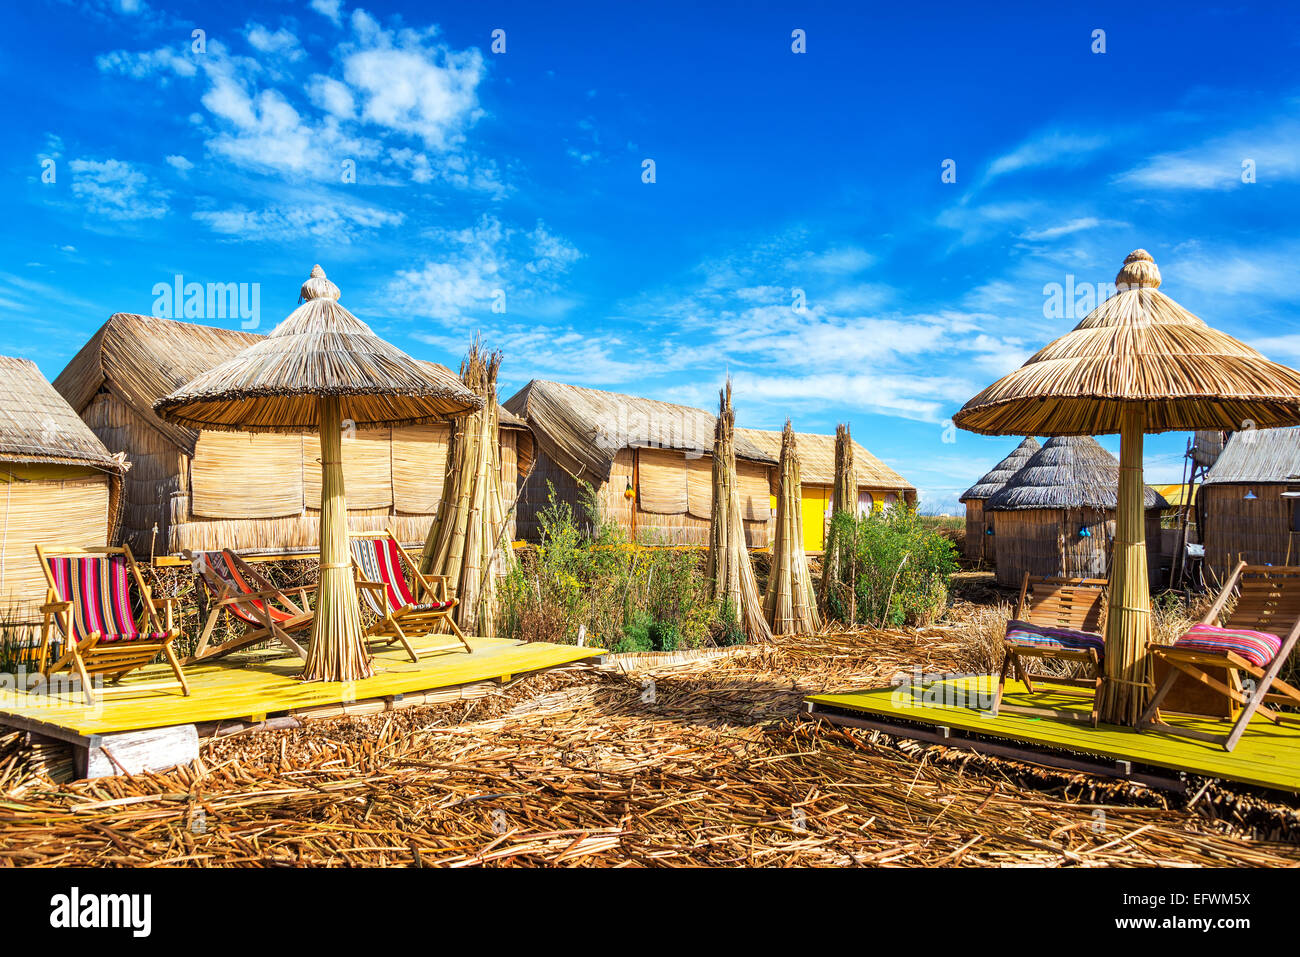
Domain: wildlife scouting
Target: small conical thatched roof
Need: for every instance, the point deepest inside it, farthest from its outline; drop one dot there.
(1067, 472)
(1001, 473)
(1139, 346)
(321, 349)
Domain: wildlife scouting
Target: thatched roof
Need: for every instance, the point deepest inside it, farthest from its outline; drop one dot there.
(321, 349)
(1001, 473)
(1067, 472)
(37, 426)
(1139, 346)
(1258, 456)
(140, 359)
(817, 460)
(582, 430)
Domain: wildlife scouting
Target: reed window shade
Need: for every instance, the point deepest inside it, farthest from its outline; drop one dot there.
(248, 475)
(41, 512)
(699, 487)
(662, 482)
(367, 469)
(755, 491)
(419, 468)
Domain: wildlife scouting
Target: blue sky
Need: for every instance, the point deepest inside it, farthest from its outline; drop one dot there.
(515, 178)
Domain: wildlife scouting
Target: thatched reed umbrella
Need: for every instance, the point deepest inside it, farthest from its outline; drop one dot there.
(1137, 363)
(839, 560)
(790, 604)
(322, 369)
(729, 569)
(467, 540)
(976, 497)
(1056, 514)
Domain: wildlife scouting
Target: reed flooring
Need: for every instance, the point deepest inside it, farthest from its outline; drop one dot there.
(264, 683)
(1268, 755)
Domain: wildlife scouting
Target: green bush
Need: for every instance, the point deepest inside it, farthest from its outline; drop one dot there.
(585, 572)
(901, 564)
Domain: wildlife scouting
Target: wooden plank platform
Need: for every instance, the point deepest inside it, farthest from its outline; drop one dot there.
(256, 685)
(954, 709)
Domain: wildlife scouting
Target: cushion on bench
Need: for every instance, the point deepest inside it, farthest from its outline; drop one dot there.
(1039, 636)
(1257, 647)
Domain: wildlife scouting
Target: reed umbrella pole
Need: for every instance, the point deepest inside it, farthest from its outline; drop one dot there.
(337, 651)
(1128, 622)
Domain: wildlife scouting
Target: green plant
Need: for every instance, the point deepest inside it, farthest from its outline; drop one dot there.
(902, 566)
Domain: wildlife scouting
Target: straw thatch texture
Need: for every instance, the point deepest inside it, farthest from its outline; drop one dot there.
(208, 490)
(1071, 471)
(658, 451)
(980, 544)
(817, 462)
(57, 482)
(790, 604)
(1250, 502)
(840, 561)
(468, 541)
(844, 483)
(728, 568)
(320, 349)
(1139, 346)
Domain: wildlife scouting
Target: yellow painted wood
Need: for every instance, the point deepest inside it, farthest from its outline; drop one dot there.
(816, 498)
(266, 682)
(1268, 755)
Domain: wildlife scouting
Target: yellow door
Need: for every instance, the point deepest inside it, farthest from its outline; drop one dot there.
(815, 498)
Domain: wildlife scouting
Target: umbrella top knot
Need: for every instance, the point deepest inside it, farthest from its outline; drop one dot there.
(318, 287)
(1139, 270)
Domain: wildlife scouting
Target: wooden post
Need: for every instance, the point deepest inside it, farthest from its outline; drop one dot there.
(1128, 624)
(338, 651)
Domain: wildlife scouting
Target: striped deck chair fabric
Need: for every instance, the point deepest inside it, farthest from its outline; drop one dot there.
(1257, 647)
(224, 567)
(1038, 636)
(380, 561)
(100, 595)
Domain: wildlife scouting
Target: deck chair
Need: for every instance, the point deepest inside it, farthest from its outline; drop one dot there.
(89, 605)
(382, 567)
(1059, 619)
(235, 587)
(1201, 673)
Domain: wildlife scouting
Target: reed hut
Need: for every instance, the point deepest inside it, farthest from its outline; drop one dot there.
(57, 484)
(1250, 501)
(649, 463)
(1056, 515)
(258, 493)
(878, 485)
(981, 543)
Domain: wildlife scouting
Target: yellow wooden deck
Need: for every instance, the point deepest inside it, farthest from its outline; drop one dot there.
(1268, 755)
(258, 684)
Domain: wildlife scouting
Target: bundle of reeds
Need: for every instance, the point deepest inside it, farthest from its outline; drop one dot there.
(790, 605)
(839, 563)
(322, 370)
(467, 541)
(729, 569)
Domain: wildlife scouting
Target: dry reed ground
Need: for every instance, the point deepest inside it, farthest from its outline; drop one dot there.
(587, 768)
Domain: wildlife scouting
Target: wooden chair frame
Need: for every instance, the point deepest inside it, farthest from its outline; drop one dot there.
(89, 656)
(398, 624)
(1221, 672)
(1069, 603)
(226, 598)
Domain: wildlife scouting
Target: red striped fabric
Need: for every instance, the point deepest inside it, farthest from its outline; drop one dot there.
(229, 570)
(100, 593)
(1257, 647)
(389, 559)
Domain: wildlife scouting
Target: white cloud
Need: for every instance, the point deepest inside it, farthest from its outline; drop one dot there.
(158, 62)
(328, 218)
(280, 43)
(1217, 163)
(332, 10)
(332, 96)
(1061, 229)
(1052, 148)
(179, 163)
(115, 190)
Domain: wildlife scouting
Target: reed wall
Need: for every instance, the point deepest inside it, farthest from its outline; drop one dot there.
(1047, 542)
(44, 505)
(1255, 530)
(976, 547)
